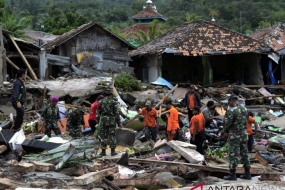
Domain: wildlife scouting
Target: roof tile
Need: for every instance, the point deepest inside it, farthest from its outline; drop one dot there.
(201, 36)
(148, 12)
(272, 36)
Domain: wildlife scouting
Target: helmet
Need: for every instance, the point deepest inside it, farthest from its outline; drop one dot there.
(108, 91)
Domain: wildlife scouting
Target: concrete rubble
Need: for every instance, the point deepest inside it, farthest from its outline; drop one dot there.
(28, 160)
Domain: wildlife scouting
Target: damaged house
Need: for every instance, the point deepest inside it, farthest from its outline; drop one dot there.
(200, 51)
(273, 64)
(88, 50)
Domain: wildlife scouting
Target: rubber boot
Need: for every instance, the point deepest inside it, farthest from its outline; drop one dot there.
(232, 176)
(113, 152)
(103, 153)
(246, 174)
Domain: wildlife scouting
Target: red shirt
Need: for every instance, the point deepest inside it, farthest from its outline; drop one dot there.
(93, 111)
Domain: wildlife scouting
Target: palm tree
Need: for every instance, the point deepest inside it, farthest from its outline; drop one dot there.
(264, 24)
(13, 24)
(192, 17)
(143, 37)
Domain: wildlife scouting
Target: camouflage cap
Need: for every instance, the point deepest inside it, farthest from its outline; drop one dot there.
(108, 91)
(233, 97)
(81, 109)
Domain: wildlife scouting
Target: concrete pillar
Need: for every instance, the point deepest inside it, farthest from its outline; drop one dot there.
(208, 71)
(152, 68)
(43, 64)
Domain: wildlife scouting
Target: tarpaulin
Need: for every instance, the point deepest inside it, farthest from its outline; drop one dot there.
(272, 79)
(162, 82)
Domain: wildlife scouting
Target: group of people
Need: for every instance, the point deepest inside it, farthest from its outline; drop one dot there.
(237, 125)
(105, 114)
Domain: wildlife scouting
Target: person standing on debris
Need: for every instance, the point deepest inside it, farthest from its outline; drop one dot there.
(197, 129)
(235, 126)
(236, 92)
(108, 116)
(75, 120)
(51, 116)
(150, 121)
(191, 100)
(18, 97)
(208, 113)
(250, 133)
(92, 117)
(172, 121)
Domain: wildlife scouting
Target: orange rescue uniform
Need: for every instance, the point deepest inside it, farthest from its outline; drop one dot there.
(250, 121)
(149, 117)
(172, 123)
(199, 119)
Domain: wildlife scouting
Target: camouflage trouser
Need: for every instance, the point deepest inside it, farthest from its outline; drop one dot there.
(51, 126)
(237, 149)
(107, 133)
(74, 131)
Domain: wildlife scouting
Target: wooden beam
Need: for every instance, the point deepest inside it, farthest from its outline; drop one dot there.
(24, 58)
(260, 86)
(239, 170)
(14, 65)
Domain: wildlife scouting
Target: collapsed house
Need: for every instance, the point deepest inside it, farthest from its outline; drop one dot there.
(273, 67)
(200, 51)
(88, 50)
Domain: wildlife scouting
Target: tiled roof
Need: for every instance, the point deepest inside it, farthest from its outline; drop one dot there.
(72, 33)
(148, 13)
(200, 38)
(274, 36)
(135, 28)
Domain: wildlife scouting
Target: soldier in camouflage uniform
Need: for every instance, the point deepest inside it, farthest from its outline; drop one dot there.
(75, 120)
(51, 116)
(235, 126)
(108, 115)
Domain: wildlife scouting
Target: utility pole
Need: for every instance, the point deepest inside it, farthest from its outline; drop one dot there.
(240, 26)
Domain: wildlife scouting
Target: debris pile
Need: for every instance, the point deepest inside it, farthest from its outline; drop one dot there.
(30, 159)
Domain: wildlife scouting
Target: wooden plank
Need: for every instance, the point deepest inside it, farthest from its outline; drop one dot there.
(57, 57)
(260, 86)
(164, 98)
(58, 60)
(14, 65)
(239, 170)
(24, 58)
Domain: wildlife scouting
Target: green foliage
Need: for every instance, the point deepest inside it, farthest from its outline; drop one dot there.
(143, 37)
(219, 152)
(59, 16)
(13, 24)
(127, 82)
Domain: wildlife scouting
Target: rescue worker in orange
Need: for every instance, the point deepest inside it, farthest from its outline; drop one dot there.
(172, 121)
(197, 129)
(191, 100)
